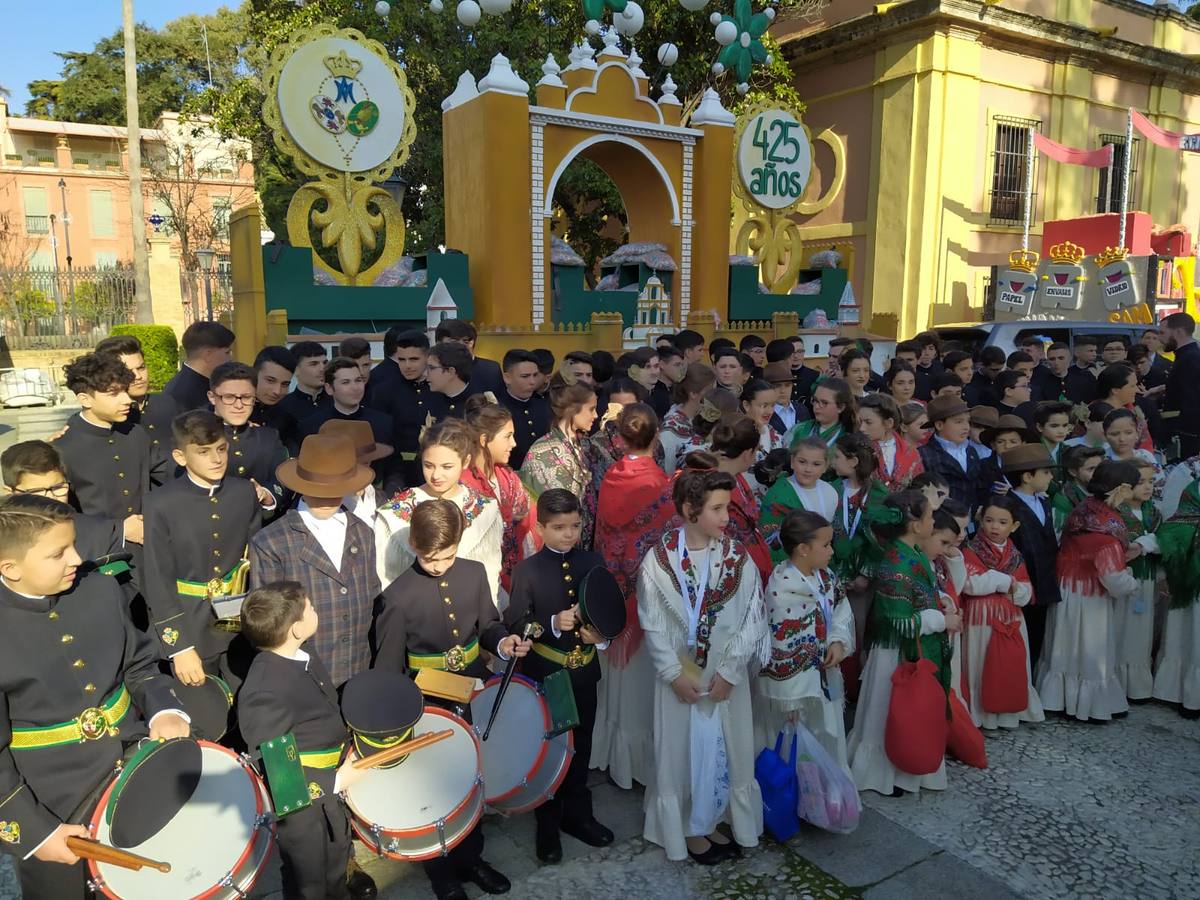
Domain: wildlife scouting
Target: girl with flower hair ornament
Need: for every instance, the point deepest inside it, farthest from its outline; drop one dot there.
(677, 428)
(701, 610)
(447, 450)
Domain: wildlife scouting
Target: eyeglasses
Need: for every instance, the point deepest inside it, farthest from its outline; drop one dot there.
(61, 488)
(435, 369)
(235, 399)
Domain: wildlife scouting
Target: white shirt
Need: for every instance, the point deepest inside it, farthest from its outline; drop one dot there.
(787, 415)
(363, 505)
(957, 451)
(1034, 502)
(887, 450)
(330, 533)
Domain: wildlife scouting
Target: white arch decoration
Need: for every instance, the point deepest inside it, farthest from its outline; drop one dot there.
(641, 148)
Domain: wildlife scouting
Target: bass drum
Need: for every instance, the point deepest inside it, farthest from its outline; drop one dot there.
(523, 765)
(217, 844)
(427, 804)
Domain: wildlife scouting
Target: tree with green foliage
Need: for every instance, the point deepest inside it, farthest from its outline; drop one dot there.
(172, 67)
(434, 50)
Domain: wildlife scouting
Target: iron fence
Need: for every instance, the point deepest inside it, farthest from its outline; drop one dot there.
(195, 299)
(81, 302)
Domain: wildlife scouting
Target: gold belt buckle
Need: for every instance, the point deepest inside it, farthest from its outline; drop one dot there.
(215, 588)
(456, 659)
(575, 659)
(92, 724)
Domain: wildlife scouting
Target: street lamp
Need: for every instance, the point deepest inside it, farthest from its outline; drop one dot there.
(206, 257)
(396, 187)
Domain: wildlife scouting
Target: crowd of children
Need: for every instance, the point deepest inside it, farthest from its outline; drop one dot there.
(999, 530)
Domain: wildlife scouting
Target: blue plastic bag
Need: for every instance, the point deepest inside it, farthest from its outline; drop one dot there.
(780, 787)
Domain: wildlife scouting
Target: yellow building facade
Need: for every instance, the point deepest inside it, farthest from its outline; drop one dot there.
(933, 100)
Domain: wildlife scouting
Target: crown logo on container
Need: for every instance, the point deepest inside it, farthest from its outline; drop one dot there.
(1110, 255)
(1066, 252)
(1023, 260)
(342, 66)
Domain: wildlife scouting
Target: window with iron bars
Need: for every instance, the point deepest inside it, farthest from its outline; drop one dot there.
(1009, 157)
(1108, 193)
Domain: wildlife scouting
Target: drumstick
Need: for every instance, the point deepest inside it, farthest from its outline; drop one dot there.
(86, 848)
(400, 750)
(509, 670)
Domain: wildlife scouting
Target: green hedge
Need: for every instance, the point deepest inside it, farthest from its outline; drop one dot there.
(160, 348)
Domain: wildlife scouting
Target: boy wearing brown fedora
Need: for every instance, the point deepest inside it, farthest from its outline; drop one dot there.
(326, 548)
(949, 453)
(1030, 471)
(365, 502)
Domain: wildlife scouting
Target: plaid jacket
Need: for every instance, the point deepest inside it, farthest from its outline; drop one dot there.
(344, 600)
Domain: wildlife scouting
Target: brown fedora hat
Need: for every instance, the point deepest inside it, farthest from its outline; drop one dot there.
(361, 434)
(940, 408)
(1026, 458)
(326, 467)
(779, 373)
(1007, 422)
(985, 416)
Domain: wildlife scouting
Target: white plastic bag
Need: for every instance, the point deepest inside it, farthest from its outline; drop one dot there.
(828, 797)
(710, 770)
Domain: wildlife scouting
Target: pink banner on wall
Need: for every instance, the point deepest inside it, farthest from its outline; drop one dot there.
(1172, 140)
(1097, 159)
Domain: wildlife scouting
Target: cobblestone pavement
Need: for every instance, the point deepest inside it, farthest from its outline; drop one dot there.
(1064, 810)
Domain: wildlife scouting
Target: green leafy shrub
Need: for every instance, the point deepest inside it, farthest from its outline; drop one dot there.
(160, 348)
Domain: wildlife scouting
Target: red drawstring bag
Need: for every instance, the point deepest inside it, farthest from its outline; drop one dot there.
(851, 673)
(915, 736)
(1004, 687)
(964, 740)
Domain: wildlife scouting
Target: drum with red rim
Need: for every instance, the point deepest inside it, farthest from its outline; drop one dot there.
(217, 844)
(523, 763)
(426, 805)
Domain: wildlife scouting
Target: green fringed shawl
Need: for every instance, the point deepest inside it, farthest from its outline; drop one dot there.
(1178, 550)
(905, 585)
(854, 556)
(1145, 567)
(1064, 502)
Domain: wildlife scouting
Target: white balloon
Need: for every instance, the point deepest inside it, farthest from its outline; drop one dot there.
(726, 33)
(745, 39)
(630, 22)
(715, 18)
(769, 13)
(495, 7)
(468, 13)
(770, 59)
(668, 54)
(693, 5)
(743, 87)
(383, 8)
(717, 68)
(435, 6)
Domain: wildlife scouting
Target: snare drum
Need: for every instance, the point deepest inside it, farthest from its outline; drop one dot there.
(523, 765)
(217, 844)
(426, 805)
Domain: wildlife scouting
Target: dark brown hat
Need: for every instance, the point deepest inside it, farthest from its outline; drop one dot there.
(361, 434)
(1006, 422)
(1026, 458)
(940, 408)
(326, 467)
(778, 373)
(985, 416)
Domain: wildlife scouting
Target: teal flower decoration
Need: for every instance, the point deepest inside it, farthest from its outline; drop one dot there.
(741, 53)
(594, 9)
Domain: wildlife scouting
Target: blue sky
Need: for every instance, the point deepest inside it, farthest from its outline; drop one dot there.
(41, 28)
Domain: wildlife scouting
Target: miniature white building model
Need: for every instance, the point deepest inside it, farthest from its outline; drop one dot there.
(653, 316)
(441, 306)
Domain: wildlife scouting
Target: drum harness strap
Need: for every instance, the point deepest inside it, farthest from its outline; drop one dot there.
(453, 660)
(91, 724)
(576, 658)
(322, 759)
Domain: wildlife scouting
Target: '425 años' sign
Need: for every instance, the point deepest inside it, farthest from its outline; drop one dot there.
(774, 158)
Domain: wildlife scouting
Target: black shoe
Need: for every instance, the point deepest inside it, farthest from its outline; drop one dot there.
(710, 857)
(730, 850)
(549, 846)
(486, 877)
(1189, 713)
(450, 890)
(360, 885)
(590, 832)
